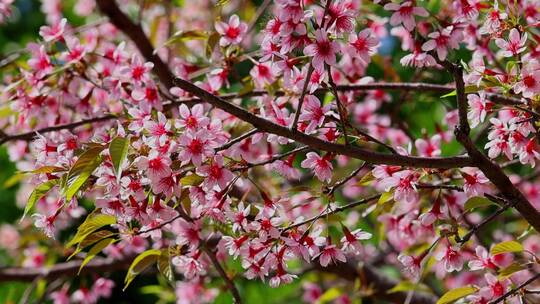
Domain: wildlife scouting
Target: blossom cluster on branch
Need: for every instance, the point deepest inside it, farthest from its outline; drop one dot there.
(211, 146)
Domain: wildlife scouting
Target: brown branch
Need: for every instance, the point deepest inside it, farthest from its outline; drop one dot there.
(236, 140)
(302, 96)
(513, 291)
(490, 169)
(67, 269)
(474, 229)
(375, 282)
(70, 126)
(317, 143)
(333, 211)
(120, 20)
(223, 274)
(340, 107)
(412, 86)
(137, 35)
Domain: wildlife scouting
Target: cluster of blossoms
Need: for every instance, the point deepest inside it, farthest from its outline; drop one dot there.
(176, 175)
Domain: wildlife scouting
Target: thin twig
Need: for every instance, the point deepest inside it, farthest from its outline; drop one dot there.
(513, 291)
(333, 211)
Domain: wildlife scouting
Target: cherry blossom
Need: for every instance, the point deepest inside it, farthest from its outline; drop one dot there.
(231, 32)
(452, 258)
(404, 14)
(514, 45)
(52, 33)
(479, 108)
(441, 41)
(321, 166)
(323, 50)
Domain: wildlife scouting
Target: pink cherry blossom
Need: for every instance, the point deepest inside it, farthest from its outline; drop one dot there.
(430, 147)
(479, 108)
(484, 260)
(411, 265)
(405, 13)
(192, 119)
(330, 253)
(529, 84)
(494, 288)
(313, 112)
(323, 50)
(321, 166)
(442, 41)
(475, 182)
(231, 32)
(364, 45)
(156, 164)
(55, 32)
(350, 240)
(196, 147)
(452, 258)
(514, 45)
(216, 174)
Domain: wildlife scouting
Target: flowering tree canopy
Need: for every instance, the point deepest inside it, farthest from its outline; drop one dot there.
(335, 151)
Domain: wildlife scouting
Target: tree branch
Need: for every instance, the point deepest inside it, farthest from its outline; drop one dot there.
(513, 291)
(67, 269)
(490, 169)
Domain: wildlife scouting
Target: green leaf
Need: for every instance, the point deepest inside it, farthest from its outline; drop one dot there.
(92, 223)
(164, 265)
(182, 36)
(90, 240)
(385, 197)
(222, 2)
(38, 193)
(366, 179)
(453, 93)
(191, 180)
(118, 149)
(95, 250)
(329, 295)
(46, 169)
(13, 180)
(407, 286)
(82, 170)
(456, 294)
(476, 202)
(6, 111)
(141, 262)
(468, 89)
(211, 43)
(511, 269)
(505, 247)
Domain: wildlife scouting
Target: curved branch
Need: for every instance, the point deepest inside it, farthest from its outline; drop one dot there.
(490, 169)
(98, 265)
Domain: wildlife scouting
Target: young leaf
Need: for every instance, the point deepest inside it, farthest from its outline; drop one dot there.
(505, 247)
(476, 202)
(95, 250)
(329, 295)
(510, 270)
(141, 262)
(164, 265)
(191, 180)
(385, 197)
(118, 150)
(38, 193)
(90, 240)
(81, 171)
(456, 294)
(407, 286)
(92, 223)
(46, 169)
